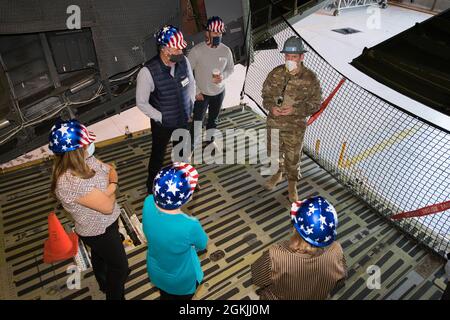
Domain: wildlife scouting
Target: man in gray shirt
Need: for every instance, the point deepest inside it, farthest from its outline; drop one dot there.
(212, 62)
(165, 92)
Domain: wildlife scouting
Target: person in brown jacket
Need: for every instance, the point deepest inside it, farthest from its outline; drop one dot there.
(308, 266)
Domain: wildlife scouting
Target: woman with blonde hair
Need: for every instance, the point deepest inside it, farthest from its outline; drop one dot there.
(86, 188)
(310, 264)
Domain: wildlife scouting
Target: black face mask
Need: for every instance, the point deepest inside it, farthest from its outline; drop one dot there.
(176, 57)
(216, 41)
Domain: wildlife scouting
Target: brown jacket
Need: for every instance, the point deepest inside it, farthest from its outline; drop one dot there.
(286, 275)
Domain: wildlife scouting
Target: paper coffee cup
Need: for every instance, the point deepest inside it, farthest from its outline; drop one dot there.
(216, 72)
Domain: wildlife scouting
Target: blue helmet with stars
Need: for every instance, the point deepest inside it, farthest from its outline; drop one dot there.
(170, 36)
(69, 135)
(174, 185)
(315, 219)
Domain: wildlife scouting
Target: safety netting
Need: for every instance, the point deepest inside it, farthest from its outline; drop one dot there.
(395, 161)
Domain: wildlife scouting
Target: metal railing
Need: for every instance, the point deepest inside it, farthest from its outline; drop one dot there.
(340, 5)
(269, 14)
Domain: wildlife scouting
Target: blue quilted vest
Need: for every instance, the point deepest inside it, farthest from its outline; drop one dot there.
(170, 97)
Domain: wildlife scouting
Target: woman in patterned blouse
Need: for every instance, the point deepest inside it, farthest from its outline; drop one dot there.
(86, 188)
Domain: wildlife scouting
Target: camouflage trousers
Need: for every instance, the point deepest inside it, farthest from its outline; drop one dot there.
(290, 146)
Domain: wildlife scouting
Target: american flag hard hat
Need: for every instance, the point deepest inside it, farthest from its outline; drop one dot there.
(170, 36)
(174, 185)
(215, 24)
(315, 219)
(69, 135)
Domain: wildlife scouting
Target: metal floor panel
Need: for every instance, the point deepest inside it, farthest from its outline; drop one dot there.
(241, 218)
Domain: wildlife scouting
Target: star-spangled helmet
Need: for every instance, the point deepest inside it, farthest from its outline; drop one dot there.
(315, 219)
(174, 185)
(215, 24)
(170, 36)
(69, 135)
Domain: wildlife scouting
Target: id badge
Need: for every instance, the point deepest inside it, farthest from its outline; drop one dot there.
(185, 82)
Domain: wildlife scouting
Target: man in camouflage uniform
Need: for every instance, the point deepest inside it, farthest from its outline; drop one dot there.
(291, 93)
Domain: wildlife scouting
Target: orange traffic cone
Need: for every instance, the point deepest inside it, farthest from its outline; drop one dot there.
(59, 245)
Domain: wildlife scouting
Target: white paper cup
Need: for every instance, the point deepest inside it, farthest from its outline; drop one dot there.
(216, 73)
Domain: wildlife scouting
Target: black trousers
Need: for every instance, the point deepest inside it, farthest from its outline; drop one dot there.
(211, 103)
(168, 296)
(446, 294)
(109, 262)
(160, 139)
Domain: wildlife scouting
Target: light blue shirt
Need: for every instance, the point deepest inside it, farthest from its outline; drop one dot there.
(173, 241)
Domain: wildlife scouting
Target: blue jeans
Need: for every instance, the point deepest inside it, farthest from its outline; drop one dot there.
(214, 103)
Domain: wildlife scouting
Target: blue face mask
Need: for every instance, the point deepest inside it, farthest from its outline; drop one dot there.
(176, 57)
(216, 41)
(90, 150)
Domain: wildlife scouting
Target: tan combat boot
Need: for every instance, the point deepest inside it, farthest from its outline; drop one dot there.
(273, 181)
(292, 188)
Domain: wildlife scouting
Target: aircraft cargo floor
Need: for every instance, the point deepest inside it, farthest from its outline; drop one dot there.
(240, 217)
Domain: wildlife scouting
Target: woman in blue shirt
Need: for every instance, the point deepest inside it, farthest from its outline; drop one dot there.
(173, 237)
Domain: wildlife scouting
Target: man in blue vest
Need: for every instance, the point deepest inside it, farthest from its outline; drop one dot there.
(165, 92)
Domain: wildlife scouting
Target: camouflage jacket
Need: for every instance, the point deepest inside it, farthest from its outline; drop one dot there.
(302, 91)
